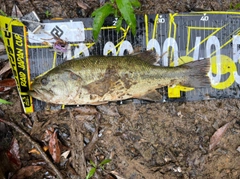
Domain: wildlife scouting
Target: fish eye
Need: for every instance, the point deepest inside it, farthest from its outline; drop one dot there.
(44, 81)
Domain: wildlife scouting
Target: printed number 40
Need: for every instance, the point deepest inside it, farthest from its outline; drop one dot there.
(204, 18)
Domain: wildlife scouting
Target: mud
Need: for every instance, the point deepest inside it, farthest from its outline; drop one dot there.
(167, 140)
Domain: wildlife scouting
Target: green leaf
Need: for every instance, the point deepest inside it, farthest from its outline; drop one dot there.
(135, 3)
(2, 13)
(127, 12)
(237, 6)
(104, 162)
(119, 24)
(91, 173)
(2, 101)
(99, 17)
(93, 164)
(116, 13)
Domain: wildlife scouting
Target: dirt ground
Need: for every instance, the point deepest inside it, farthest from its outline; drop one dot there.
(156, 140)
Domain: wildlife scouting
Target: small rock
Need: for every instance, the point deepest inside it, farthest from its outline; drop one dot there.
(179, 114)
(238, 149)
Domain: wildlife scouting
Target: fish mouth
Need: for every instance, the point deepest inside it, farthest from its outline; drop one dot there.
(41, 94)
(36, 93)
(33, 93)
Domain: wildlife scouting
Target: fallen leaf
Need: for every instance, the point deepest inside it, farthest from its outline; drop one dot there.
(38, 162)
(81, 4)
(116, 174)
(35, 151)
(110, 176)
(84, 117)
(2, 101)
(216, 137)
(48, 134)
(54, 148)
(3, 89)
(238, 149)
(108, 110)
(89, 110)
(88, 149)
(16, 12)
(65, 154)
(13, 154)
(5, 68)
(26, 121)
(10, 82)
(26, 172)
(2, 47)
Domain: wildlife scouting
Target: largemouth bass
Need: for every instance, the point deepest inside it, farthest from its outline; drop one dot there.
(99, 79)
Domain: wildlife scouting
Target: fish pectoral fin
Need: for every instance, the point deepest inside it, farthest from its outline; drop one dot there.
(152, 96)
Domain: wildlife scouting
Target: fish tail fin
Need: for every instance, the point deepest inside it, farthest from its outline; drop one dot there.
(198, 73)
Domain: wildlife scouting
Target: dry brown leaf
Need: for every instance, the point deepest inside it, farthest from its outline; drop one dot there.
(108, 110)
(216, 137)
(82, 4)
(54, 148)
(2, 47)
(13, 153)
(10, 82)
(117, 175)
(48, 134)
(26, 172)
(88, 110)
(16, 11)
(84, 117)
(35, 151)
(2, 89)
(5, 68)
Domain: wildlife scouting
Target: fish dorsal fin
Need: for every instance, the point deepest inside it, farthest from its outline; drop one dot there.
(148, 56)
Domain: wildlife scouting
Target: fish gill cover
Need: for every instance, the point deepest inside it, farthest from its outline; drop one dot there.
(176, 38)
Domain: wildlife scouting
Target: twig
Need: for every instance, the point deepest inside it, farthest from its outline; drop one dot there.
(36, 145)
(77, 152)
(89, 148)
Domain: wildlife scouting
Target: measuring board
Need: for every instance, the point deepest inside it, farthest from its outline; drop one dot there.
(177, 38)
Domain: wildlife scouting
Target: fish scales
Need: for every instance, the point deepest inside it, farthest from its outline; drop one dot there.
(99, 79)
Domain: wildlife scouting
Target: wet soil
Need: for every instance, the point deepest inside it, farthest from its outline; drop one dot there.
(155, 140)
